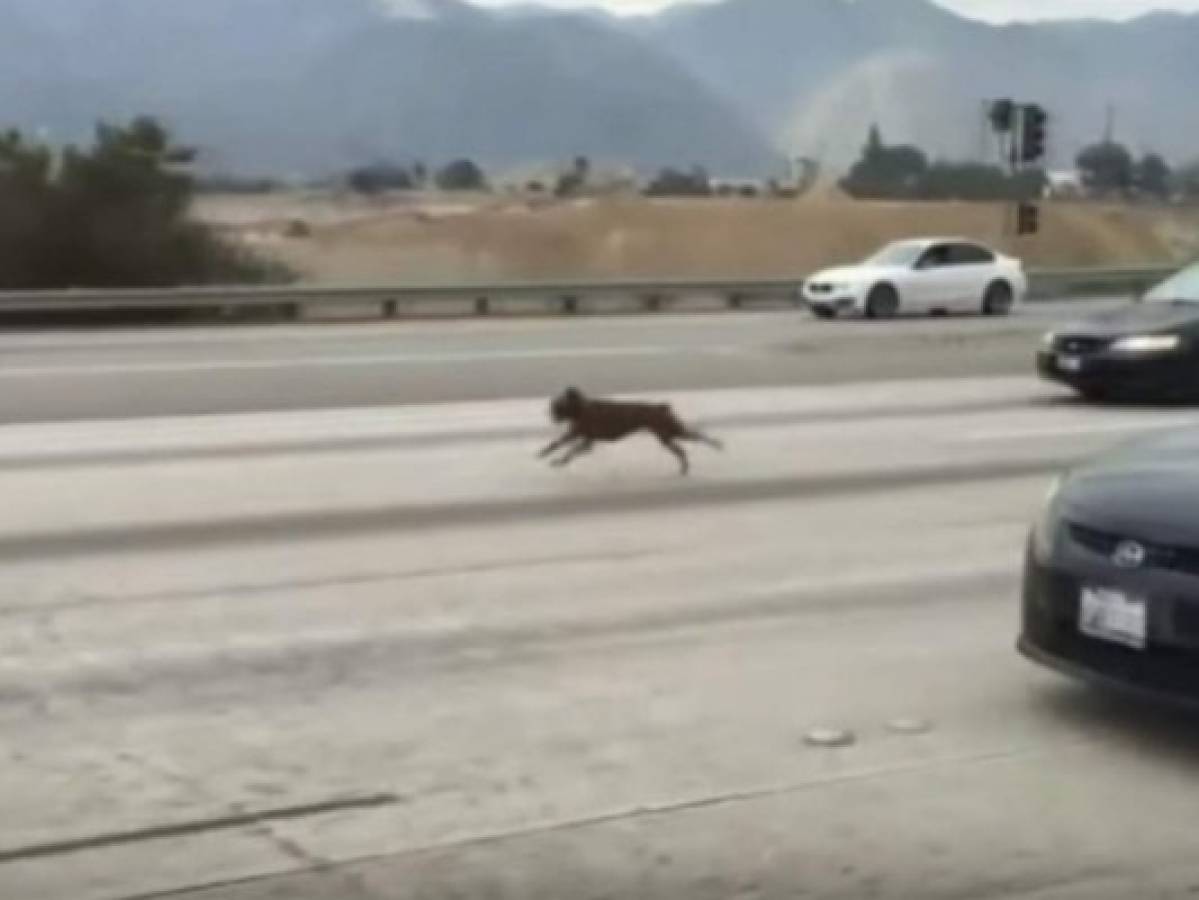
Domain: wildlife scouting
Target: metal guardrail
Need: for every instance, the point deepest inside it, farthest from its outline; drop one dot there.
(1058, 283)
(484, 299)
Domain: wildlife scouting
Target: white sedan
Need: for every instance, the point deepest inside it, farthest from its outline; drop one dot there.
(929, 275)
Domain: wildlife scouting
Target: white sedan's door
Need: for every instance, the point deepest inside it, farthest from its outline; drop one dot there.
(931, 284)
(972, 268)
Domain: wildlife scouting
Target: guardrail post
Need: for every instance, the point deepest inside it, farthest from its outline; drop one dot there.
(390, 308)
(735, 300)
(652, 302)
(570, 304)
(482, 306)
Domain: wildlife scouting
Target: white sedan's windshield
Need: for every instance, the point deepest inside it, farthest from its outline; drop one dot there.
(901, 253)
(1181, 288)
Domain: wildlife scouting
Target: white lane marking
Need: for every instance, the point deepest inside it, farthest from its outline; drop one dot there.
(224, 648)
(372, 331)
(184, 432)
(403, 359)
(1075, 430)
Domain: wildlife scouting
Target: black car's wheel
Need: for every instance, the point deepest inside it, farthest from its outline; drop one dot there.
(882, 302)
(824, 312)
(997, 301)
(1095, 393)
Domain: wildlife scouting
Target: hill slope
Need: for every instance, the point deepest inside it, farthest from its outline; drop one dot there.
(815, 73)
(313, 85)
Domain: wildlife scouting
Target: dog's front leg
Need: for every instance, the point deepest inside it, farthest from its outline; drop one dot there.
(583, 446)
(557, 445)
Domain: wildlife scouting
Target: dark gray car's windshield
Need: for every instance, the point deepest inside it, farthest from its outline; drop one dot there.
(1181, 288)
(901, 253)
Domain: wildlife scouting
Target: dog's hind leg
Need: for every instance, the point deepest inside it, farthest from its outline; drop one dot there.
(678, 452)
(698, 437)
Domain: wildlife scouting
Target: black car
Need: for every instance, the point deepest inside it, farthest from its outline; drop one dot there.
(1148, 350)
(1111, 583)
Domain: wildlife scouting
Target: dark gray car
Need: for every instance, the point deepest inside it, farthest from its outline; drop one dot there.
(1149, 350)
(1111, 584)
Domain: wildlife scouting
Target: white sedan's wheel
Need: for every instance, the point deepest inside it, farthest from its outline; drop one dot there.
(882, 302)
(997, 301)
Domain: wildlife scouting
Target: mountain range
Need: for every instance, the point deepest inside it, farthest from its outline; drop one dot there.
(316, 86)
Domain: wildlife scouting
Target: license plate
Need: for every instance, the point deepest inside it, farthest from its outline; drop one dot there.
(1069, 363)
(1114, 616)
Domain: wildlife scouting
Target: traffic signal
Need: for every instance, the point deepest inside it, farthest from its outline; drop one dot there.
(1002, 115)
(1032, 134)
(1028, 219)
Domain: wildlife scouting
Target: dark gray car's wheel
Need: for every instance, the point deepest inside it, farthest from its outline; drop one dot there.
(1095, 394)
(882, 302)
(997, 301)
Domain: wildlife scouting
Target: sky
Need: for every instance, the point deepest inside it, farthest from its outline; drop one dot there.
(991, 10)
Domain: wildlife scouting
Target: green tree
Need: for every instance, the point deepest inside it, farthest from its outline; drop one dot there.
(571, 182)
(462, 175)
(379, 177)
(1186, 180)
(114, 215)
(676, 183)
(1153, 177)
(874, 144)
(884, 171)
(1106, 168)
(25, 202)
(978, 182)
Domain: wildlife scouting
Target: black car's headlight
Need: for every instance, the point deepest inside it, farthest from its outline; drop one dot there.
(1147, 343)
(1047, 528)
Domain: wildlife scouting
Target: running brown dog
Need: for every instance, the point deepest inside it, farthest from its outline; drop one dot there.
(608, 421)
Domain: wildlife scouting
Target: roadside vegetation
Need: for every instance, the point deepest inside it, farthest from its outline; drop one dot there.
(115, 214)
(1106, 170)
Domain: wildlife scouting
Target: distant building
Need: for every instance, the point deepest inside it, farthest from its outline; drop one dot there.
(745, 187)
(1065, 184)
(599, 181)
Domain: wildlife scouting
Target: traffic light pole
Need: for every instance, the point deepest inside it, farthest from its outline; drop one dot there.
(1023, 127)
(1011, 212)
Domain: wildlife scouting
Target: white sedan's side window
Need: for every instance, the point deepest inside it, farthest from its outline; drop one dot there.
(935, 257)
(970, 255)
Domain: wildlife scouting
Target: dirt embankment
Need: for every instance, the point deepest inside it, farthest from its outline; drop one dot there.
(434, 239)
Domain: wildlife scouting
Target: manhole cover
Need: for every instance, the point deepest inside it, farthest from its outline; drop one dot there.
(829, 738)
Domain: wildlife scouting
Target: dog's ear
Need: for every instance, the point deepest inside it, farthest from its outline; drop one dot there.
(573, 396)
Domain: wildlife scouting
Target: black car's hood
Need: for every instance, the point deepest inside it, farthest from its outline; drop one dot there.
(1137, 319)
(1148, 489)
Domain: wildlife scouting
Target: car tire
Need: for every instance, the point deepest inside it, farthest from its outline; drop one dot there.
(1095, 394)
(882, 302)
(824, 312)
(997, 301)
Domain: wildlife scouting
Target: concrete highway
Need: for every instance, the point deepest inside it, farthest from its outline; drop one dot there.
(321, 645)
(123, 374)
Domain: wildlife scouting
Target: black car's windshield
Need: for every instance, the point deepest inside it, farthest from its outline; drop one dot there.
(900, 253)
(1180, 288)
